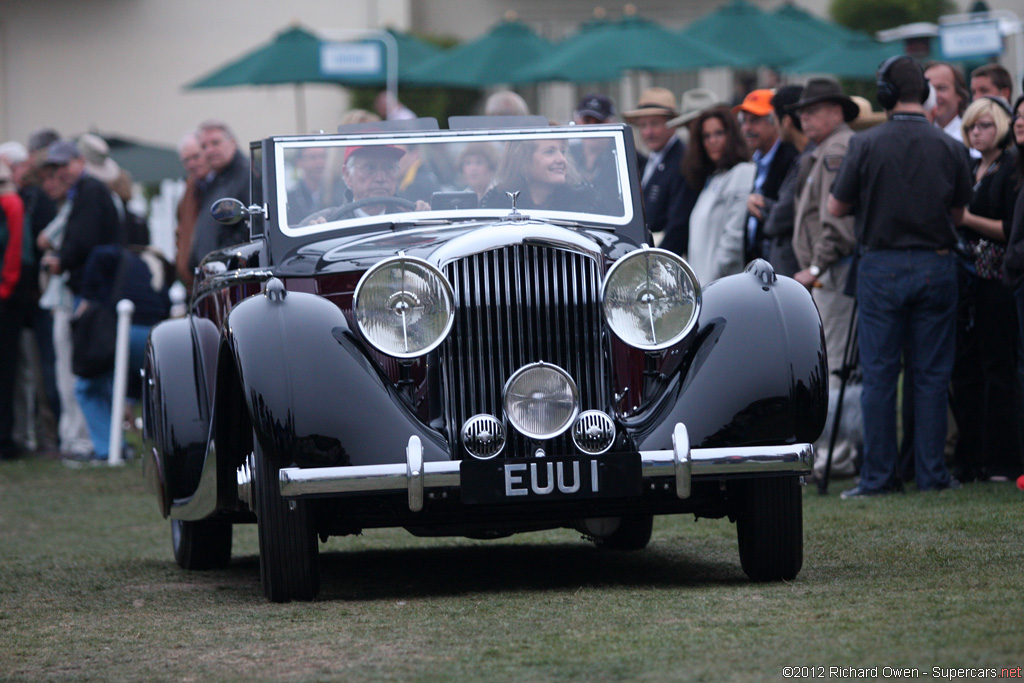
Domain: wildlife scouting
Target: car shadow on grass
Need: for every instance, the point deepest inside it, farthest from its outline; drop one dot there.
(402, 573)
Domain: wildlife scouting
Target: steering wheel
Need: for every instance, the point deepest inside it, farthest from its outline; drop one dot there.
(346, 209)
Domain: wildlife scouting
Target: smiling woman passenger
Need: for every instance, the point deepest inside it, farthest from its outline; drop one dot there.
(543, 174)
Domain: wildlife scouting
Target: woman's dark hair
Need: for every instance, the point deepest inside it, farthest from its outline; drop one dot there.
(697, 167)
(1019, 147)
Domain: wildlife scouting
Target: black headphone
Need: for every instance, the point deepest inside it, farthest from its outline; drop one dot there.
(888, 93)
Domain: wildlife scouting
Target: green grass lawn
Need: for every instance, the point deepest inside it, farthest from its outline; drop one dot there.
(89, 591)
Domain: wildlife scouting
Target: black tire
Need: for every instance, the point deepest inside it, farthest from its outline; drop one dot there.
(634, 533)
(289, 562)
(770, 528)
(201, 545)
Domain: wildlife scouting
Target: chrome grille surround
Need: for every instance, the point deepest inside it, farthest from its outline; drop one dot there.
(483, 436)
(517, 304)
(594, 432)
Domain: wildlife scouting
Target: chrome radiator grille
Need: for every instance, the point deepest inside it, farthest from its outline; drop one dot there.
(517, 305)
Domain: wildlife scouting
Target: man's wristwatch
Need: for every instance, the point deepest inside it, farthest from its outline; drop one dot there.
(815, 271)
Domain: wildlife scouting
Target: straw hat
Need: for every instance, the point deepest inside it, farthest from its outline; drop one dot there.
(692, 103)
(867, 116)
(97, 158)
(653, 102)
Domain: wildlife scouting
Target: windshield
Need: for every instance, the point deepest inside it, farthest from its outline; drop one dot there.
(329, 183)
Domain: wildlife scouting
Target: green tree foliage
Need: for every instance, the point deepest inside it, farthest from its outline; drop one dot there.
(871, 16)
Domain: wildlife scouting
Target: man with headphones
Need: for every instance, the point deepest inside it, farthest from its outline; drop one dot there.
(907, 184)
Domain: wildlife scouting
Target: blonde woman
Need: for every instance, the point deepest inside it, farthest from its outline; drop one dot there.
(986, 395)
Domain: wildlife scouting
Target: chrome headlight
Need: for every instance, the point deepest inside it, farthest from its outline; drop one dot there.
(404, 307)
(541, 400)
(651, 299)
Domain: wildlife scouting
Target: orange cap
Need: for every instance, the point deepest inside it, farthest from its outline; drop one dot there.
(758, 103)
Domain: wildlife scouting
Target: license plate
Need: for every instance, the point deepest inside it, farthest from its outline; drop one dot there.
(552, 478)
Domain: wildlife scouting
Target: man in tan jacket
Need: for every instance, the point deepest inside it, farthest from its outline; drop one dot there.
(824, 244)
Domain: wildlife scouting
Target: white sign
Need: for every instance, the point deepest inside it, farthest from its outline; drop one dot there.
(971, 39)
(350, 59)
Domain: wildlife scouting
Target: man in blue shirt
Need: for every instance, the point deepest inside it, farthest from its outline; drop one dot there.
(773, 157)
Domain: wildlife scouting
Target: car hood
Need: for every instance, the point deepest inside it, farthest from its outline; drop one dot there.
(442, 244)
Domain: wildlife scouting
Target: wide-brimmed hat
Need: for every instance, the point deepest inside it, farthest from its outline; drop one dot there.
(692, 103)
(653, 102)
(866, 117)
(820, 90)
(97, 158)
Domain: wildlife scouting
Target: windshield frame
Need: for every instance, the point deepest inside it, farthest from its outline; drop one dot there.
(285, 178)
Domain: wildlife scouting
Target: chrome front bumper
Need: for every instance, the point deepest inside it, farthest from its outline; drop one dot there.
(676, 466)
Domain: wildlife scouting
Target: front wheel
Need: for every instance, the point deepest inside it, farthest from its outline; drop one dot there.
(201, 545)
(289, 563)
(770, 527)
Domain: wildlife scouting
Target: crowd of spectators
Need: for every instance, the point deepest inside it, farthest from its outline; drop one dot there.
(921, 202)
(844, 200)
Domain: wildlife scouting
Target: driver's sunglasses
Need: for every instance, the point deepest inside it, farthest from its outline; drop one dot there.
(371, 168)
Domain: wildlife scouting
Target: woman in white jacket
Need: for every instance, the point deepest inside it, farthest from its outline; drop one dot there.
(717, 161)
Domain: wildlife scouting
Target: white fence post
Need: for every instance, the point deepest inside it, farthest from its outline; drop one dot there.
(125, 309)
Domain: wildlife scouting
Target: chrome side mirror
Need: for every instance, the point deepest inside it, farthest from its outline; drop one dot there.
(229, 211)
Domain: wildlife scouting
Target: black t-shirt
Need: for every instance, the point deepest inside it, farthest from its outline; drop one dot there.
(903, 177)
(995, 195)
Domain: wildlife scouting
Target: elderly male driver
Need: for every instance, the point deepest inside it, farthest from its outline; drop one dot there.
(372, 172)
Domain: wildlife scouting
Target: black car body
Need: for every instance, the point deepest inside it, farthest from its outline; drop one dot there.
(475, 371)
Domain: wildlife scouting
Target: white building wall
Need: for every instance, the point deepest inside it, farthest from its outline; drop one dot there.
(120, 65)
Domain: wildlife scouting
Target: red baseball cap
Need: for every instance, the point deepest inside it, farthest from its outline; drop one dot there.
(396, 152)
(757, 102)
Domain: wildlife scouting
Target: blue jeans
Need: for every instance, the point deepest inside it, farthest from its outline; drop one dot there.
(96, 394)
(906, 299)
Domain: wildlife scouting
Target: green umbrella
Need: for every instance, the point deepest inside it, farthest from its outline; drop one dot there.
(495, 57)
(754, 37)
(857, 57)
(604, 50)
(293, 56)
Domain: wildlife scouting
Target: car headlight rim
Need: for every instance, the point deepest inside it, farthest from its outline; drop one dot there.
(648, 254)
(400, 297)
(520, 425)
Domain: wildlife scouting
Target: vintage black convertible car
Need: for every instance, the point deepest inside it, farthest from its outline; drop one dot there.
(395, 350)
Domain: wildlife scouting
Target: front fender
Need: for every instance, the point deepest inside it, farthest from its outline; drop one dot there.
(175, 406)
(756, 372)
(313, 396)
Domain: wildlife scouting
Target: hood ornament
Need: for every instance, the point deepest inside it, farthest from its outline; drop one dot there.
(515, 215)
